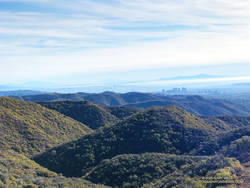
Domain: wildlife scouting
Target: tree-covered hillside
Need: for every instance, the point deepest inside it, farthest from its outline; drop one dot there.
(130, 148)
(147, 169)
(30, 128)
(95, 116)
(90, 114)
(17, 171)
(163, 130)
(226, 123)
(233, 143)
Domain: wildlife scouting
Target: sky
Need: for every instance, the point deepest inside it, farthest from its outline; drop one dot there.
(90, 41)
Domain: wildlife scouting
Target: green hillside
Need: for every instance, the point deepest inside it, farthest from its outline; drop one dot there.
(17, 171)
(121, 112)
(95, 116)
(226, 123)
(30, 128)
(88, 113)
(163, 130)
(146, 169)
(239, 149)
(233, 143)
(155, 147)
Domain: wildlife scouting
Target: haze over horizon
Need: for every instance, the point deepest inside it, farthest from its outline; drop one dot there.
(90, 42)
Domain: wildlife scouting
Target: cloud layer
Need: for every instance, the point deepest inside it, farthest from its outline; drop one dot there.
(40, 38)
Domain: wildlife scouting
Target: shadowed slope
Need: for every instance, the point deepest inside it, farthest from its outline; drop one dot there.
(90, 114)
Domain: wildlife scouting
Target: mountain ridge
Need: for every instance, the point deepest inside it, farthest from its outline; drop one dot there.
(198, 105)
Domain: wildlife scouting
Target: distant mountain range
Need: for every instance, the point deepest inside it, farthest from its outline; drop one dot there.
(198, 105)
(20, 93)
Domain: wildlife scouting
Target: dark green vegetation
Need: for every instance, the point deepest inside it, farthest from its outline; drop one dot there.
(155, 147)
(18, 171)
(30, 128)
(195, 104)
(234, 143)
(95, 116)
(239, 149)
(138, 170)
(90, 114)
(135, 152)
(226, 123)
(121, 112)
(163, 130)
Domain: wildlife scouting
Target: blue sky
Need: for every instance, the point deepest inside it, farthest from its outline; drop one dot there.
(88, 40)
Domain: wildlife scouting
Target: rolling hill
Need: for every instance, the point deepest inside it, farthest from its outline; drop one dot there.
(16, 170)
(105, 98)
(49, 97)
(95, 116)
(90, 114)
(29, 128)
(239, 149)
(146, 170)
(121, 112)
(226, 123)
(155, 147)
(198, 105)
(163, 130)
(86, 112)
(233, 143)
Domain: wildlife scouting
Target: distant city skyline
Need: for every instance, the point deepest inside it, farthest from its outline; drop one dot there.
(202, 81)
(89, 41)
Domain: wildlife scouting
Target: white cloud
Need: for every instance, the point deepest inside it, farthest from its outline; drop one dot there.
(193, 81)
(192, 49)
(93, 36)
(41, 33)
(32, 1)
